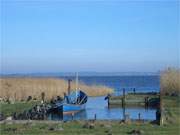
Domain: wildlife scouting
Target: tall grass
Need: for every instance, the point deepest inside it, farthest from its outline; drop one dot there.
(21, 88)
(170, 81)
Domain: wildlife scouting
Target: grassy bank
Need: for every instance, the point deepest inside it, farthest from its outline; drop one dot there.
(76, 128)
(18, 107)
(171, 126)
(21, 88)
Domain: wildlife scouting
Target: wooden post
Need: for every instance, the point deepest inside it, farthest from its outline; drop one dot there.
(161, 122)
(124, 113)
(139, 116)
(108, 102)
(134, 90)
(95, 117)
(123, 104)
(61, 113)
(43, 96)
(124, 96)
(124, 93)
(146, 102)
(107, 98)
(69, 86)
(72, 115)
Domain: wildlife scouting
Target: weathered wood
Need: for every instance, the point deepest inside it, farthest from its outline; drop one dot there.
(43, 96)
(95, 116)
(123, 101)
(123, 105)
(138, 100)
(139, 116)
(161, 108)
(69, 86)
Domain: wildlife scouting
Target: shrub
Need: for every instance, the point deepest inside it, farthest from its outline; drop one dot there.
(170, 81)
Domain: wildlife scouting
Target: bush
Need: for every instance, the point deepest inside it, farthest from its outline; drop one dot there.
(170, 81)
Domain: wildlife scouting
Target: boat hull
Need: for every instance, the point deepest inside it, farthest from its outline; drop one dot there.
(71, 108)
(74, 102)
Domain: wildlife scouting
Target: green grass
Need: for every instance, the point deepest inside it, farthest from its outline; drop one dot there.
(171, 126)
(75, 128)
(9, 109)
(172, 109)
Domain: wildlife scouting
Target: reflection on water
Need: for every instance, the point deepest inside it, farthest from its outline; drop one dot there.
(98, 106)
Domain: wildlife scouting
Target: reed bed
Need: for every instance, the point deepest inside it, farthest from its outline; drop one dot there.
(170, 81)
(22, 88)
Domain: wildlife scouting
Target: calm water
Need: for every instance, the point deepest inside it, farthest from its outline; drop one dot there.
(141, 83)
(98, 106)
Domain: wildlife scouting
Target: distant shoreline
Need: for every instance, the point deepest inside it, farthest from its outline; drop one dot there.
(71, 74)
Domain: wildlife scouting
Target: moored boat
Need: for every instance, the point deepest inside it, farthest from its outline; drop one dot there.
(73, 103)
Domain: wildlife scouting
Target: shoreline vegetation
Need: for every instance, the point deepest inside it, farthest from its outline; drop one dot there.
(100, 127)
(20, 88)
(170, 81)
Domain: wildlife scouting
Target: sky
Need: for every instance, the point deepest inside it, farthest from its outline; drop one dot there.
(101, 36)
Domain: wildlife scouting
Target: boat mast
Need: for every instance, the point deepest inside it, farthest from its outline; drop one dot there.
(76, 81)
(69, 86)
(76, 85)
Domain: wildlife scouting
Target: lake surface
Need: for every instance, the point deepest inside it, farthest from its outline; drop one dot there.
(98, 106)
(140, 83)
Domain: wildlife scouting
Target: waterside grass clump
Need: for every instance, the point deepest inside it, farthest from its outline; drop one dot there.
(170, 81)
(22, 88)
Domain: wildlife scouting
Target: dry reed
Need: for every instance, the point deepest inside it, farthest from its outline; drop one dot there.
(170, 81)
(21, 88)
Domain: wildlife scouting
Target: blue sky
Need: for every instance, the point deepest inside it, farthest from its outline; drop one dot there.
(102, 36)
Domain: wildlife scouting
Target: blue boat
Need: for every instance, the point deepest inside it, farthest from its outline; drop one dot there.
(73, 103)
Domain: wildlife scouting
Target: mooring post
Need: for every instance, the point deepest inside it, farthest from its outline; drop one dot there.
(72, 115)
(69, 86)
(146, 102)
(107, 98)
(123, 104)
(123, 92)
(95, 116)
(123, 97)
(134, 90)
(43, 97)
(124, 113)
(161, 122)
(108, 103)
(139, 116)
(61, 113)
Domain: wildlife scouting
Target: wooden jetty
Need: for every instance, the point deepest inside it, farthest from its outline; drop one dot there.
(135, 99)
